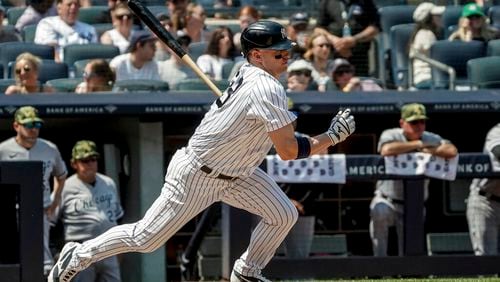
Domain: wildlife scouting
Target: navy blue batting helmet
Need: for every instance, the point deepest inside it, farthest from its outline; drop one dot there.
(265, 35)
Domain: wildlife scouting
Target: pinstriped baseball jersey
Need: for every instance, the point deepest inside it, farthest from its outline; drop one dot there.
(43, 150)
(233, 137)
(490, 185)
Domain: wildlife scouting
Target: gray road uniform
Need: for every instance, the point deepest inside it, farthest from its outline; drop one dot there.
(88, 211)
(53, 166)
(483, 204)
(387, 206)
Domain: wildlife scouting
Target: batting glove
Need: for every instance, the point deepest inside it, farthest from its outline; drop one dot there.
(341, 127)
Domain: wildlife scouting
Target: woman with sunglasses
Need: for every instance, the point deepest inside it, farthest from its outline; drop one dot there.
(472, 25)
(122, 28)
(26, 74)
(98, 77)
(318, 53)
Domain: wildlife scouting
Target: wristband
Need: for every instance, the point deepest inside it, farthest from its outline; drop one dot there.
(303, 147)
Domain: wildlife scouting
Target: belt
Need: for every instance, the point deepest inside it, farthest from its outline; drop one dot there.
(208, 170)
(489, 196)
(396, 201)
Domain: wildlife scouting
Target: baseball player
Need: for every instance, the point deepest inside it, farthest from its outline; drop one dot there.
(90, 206)
(26, 145)
(483, 204)
(386, 208)
(220, 163)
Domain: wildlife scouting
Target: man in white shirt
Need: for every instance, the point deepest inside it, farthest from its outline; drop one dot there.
(174, 70)
(64, 29)
(138, 62)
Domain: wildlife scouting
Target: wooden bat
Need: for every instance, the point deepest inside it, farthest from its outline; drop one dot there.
(157, 28)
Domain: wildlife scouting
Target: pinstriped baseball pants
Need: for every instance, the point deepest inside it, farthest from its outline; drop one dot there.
(483, 218)
(188, 191)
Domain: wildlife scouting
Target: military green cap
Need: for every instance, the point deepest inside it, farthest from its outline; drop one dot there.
(27, 114)
(84, 149)
(472, 9)
(414, 111)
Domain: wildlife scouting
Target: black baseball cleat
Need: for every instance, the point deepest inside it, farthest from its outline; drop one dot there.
(238, 277)
(63, 271)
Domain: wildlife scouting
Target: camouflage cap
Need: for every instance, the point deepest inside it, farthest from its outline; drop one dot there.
(27, 114)
(414, 111)
(84, 149)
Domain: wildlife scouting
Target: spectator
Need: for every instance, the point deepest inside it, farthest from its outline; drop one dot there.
(299, 76)
(105, 16)
(90, 205)
(6, 35)
(298, 31)
(26, 145)
(318, 54)
(138, 62)
(387, 207)
(177, 6)
(351, 26)
(427, 17)
(64, 29)
(344, 79)
(162, 51)
(174, 69)
(483, 204)
(473, 25)
(220, 51)
(36, 11)
(195, 23)
(122, 30)
(98, 77)
(26, 74)
(246, 16)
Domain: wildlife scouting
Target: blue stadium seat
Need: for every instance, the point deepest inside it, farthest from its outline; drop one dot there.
(484, 72)
(5, 83)
(451, 16)
(494, 15)
(10, 50)
(454, 54)
(73, 53)
(141, 85)
(28, 33)
(197, 49)
(13, 14)
(64, 84)
(493, 48)
(49, 69)
(92, 15)
(400, 38)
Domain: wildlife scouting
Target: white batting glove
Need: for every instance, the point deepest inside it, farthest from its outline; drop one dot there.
(341, 127)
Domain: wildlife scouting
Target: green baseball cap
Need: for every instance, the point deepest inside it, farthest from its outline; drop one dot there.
(27, 114)
(84, 149)
(472, 9)
(414, 111)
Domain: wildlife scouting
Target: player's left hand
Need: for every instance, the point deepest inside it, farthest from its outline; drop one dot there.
(341, 127)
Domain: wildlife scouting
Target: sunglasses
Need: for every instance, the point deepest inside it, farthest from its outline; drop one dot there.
(87, 75)
(31, 125)
(122, 16)
(26, 68)
(418, 121)
(324, 45)
(474, 17)
(88, 160)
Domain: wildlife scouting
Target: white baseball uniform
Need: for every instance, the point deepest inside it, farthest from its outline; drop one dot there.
(53, 166)
(483, 204)
(231, 141)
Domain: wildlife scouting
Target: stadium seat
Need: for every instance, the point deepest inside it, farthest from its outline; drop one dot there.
(28, 33)
(100, 28)
(389, 17)
(5, 83)
(226, 70)
(383, 3)
(49, 69)
(196, 49)
(493, 48)
(400, 37)
(79, 67)
(75, 52)
(484, 72)
(141, 85)
(494, 15)
(448, 243)
(64, 84)
(158, 9)
(13, 14)
(10, 50)
(196, 84)
(451, 16)
(92, 15)
(454, 54)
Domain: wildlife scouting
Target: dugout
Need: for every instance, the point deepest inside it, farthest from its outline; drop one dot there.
(138, 132)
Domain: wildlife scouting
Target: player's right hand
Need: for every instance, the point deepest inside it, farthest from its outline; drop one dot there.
(341, 127)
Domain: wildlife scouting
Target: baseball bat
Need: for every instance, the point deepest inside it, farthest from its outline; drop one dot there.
(157, 28)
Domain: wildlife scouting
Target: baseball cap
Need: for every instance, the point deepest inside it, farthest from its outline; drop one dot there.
(298, 65)
(425, 9)
(299, 18)
(84, 149)
(413, 111)
(472, 9)
(339, 62)
(140, 36)
(27, 114)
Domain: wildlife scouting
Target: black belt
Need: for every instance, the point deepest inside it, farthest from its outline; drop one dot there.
(396, 201)
(489, 196)
(208, 170)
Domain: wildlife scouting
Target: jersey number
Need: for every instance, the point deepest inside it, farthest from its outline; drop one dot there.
(233, 86)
